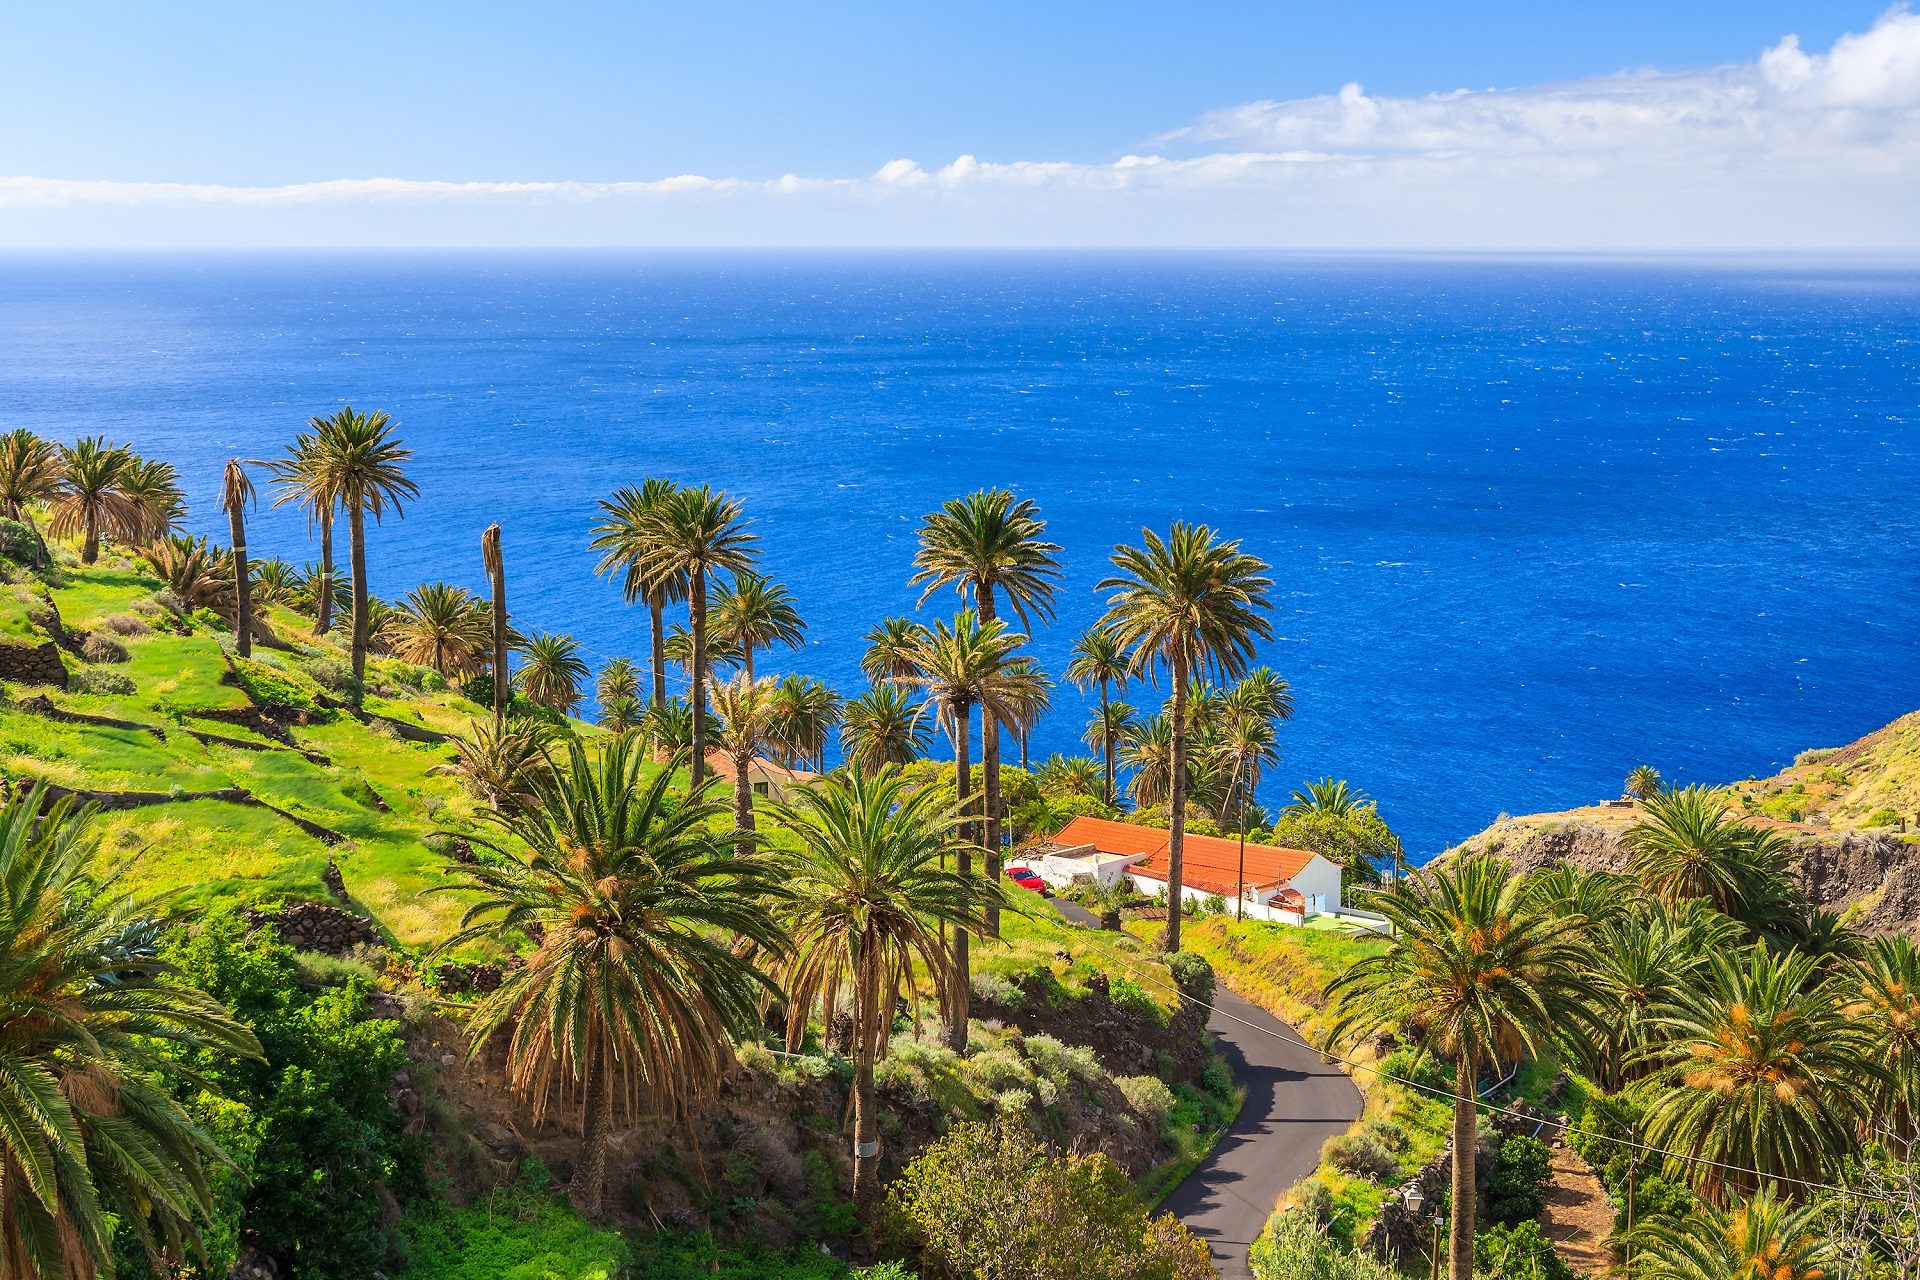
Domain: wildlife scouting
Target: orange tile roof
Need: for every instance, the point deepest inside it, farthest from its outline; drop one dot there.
(720, 764)
(1209, 864)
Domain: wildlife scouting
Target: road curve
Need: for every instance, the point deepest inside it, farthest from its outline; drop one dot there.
(1294, 1103)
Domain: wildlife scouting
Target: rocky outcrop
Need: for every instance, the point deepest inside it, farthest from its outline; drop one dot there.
(315, 926)
(32, 664)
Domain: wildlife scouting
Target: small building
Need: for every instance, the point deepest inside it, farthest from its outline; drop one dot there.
(770, 781)
(1279, 883)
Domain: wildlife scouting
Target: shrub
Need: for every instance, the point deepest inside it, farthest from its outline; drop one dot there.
(1420, 1069)
(1130, 997)
(995, 988)
(1518, 1191)
(126, 624)
(701, 1257)
(275, 686)
(1814, 756)
(20, 544)
(1360, 1155)
(479, 688)
(332, 675)
(1193, 975)
(100, 647)
(1518, 1252)
(1885, 816)
(1012, 1102)
(999, 1069)
(1296, 1247)
(99, 680)
(516, 1234)
(1062, 1063)
(1148, 1096)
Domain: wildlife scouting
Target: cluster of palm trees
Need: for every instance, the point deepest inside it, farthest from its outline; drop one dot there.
(93, 490)
(1765, 1040)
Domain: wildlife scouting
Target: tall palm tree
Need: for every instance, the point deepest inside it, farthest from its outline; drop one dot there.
(721, 654)
(746, 709)
(88, 1014)
(804, 713)
(493, 560)
(630, 998)
(1478, 972)
(1762, 1069)
(30, 472)
(1029, 698)
(300, 480)
(1641, 965)
(617, 690)
(441, 626)
(154, 490)
(91, 501)
(754, 612)
(1888, 982)
(1112, 724)
(1099, 661)
(1688, 845)
(622, 539)
(553, 672)
(1261, 692)
(871, 902)
(961, 667)
(1762, 1238)
(364, 468)
(1190, 605)
(236, 494)
(692, 534)
(1247, 746)
(882, 727)
(890, 647)
(1147, 750)
(981, 545)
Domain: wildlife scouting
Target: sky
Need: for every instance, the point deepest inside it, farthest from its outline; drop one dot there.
(1363, 125)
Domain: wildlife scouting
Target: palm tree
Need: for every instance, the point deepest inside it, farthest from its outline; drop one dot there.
(746, 709)
(1643, 783)
(1247, 746)
(1147, 750)
(890, 648)
(1889, 1003)
(236, 494)
(90, 501)
(754, 612)
(91, 1016)
(1029, 697)
(553, 672)
(1069, 775)
(961, 667)
(1763, 1238)
(1641, 965)
(871, 902)
(1687, 845)
(622, 538)
(153, 488)
(274, 581)
(721, 654)
(1330, 797)
(441, 626)
(618, 692)
(690, 534)
(804, 713)
(1261, 692)
(193, 569)
(630, 998)
(1099, 661)
(499, 761)
(493, 560)
(30, 472)
(362, 465)
(669, 726)
(1111, 725)
(881, 727)
(1189, 604)
(1762, 1069)
(301, 480)
(983, 544)
(1476, 972)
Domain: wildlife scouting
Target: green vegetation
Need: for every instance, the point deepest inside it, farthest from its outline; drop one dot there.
(521, 1232)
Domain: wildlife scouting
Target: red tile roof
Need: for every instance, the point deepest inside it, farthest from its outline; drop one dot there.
(1209, 864)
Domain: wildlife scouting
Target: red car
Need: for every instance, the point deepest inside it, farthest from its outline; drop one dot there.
(1027, 879)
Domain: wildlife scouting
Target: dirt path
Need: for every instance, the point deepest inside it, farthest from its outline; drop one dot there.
(1579, 1216)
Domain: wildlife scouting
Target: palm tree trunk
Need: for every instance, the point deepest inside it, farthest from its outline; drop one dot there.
(962, 963)
(990, 766)
(1106, 735)
(654, 608)
(1177, 820)
(589, 1185)
(1460, 1229)
(242, 589)
(866, 1156)
(495, 556)
(323, 606)
(90, 549)
(697, 694)
(357, 533)
(743, 797)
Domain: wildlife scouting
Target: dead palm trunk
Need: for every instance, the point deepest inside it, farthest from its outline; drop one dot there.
(962, 784)
(1177, 824)
(990, 768)
(1460, 1229)
(357, 534)
(697, 695)
(323, 606)
(236, 492)
(495, 561)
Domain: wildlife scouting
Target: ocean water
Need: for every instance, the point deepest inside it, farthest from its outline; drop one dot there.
(1532, 521)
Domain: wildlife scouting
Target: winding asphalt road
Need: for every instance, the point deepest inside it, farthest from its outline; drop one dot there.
(1294, 1103)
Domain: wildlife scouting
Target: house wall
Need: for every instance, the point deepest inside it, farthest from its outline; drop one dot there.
(1319, 883)
(1063, 872)
(1261, 908)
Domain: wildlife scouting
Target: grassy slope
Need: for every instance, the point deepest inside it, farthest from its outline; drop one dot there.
(210, 850)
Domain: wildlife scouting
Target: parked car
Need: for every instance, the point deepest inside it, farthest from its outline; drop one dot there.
(1027, 878)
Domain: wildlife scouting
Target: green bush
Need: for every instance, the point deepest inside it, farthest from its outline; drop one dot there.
(333, 675)
(276, 686)
(1361, 1155)
(19, 544)
(677, 1257)
(518, 1234)
(1193, 975)
(100, 681)
(1814, 756)
(1518, 1191)
(1518, 1252)
(1295, 1247)
(1148, 1096)
(1885, 816)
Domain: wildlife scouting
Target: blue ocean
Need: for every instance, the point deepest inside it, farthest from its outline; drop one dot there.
(1532, 521)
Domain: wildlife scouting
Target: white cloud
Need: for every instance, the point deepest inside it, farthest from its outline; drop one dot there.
(1793, 148)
